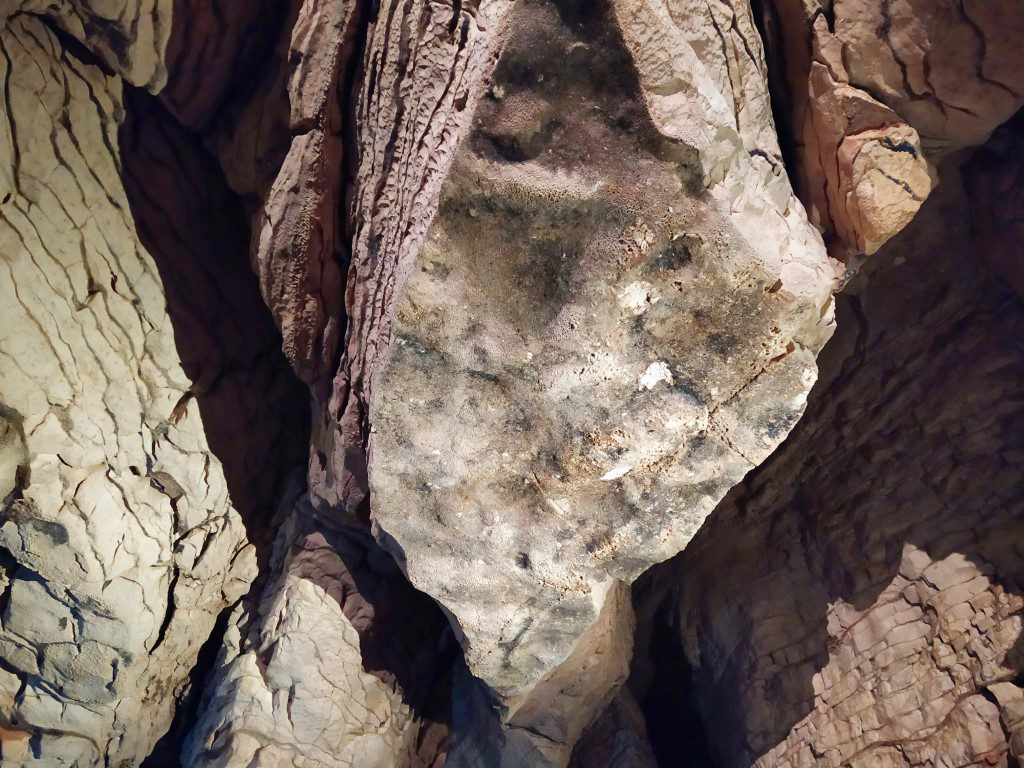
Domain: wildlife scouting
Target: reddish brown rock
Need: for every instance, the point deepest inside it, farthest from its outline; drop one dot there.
(411, 113)
(994, 180)
(876, 93)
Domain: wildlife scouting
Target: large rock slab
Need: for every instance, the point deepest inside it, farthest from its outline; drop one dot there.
(613, 318)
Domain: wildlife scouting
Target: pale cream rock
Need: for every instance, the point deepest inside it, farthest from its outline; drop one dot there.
(119, 543)
(289, 686)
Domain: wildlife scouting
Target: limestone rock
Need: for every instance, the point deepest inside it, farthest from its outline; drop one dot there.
(359, 357)
(289, 168)
(411, 111)
(592, 349)
(120, 542)
(879, 92)
(877, 553)
(291, 688)
(127, 36)
(616, 739)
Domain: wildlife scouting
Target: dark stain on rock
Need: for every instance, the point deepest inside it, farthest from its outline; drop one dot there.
(55, 532)
(677, 255)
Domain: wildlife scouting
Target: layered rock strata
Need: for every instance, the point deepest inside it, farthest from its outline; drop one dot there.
(120, 542)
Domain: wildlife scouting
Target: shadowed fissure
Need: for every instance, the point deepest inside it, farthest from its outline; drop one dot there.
(256, 415)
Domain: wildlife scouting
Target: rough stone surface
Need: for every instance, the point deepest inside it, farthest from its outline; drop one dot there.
(593, 347)
(315, 304)
(120, 543)
(616, 739)
(411, 112)
(857, 602)
(276, 131)
(128, 37)
(291, 687)
(296, 231)
(878, 91)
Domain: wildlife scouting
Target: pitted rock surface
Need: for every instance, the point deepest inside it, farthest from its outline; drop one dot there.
(357, 357)
(593, 347)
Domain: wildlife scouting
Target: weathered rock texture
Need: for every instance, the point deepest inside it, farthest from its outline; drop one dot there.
(412, 112)
(359, 355)
(292, 688)
(876, 92)
(857, 602)
(591, 351)
(120, 542)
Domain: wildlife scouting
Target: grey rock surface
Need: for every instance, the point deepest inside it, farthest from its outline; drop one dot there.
(614, 317)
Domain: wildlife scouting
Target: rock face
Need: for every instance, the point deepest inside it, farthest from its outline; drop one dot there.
(878, 92)
(877, 553)
(266, 706)
(120, 543)
(358, 357)
(591, 351)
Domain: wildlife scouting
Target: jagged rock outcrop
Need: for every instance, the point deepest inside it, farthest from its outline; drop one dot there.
(878, 92)
(292, 689)
(857, 601)
(358, 357)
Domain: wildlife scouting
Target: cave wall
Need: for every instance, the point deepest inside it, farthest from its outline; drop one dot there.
(875, 94)
(120, 539)
(358, 355)
(857, 600)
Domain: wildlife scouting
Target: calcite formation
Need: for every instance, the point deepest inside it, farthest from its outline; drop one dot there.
(358, 358)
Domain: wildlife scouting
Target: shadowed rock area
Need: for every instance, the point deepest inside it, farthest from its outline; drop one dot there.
(857, 600)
